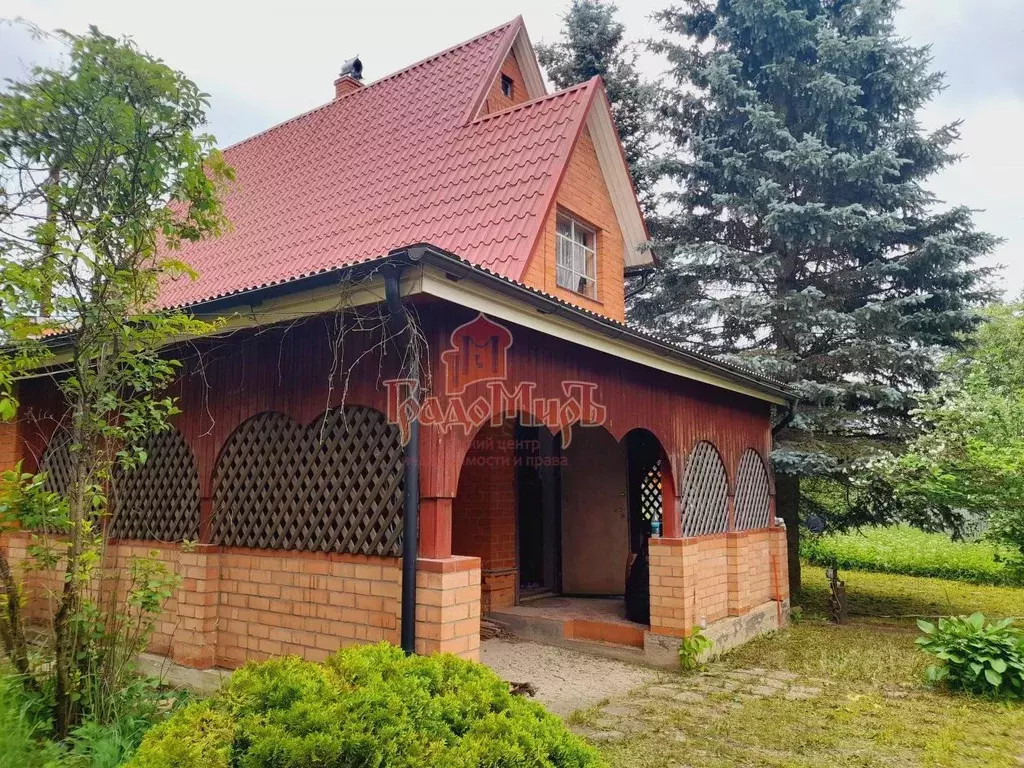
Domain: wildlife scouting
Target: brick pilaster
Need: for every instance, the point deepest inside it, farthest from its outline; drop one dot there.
(671, 607)
(198, 597)
(448, 606)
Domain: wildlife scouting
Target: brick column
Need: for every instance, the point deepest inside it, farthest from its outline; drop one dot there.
(195, 642)
(10, 445)
(737, 554)
(671, 606)
(448, 606)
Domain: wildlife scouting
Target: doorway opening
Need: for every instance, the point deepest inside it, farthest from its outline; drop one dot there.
(562, 529)
(538, 512)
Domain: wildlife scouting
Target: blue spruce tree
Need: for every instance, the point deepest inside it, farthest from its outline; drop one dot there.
(803, 241)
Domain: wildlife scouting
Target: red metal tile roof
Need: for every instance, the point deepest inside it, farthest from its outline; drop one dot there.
(388, 165)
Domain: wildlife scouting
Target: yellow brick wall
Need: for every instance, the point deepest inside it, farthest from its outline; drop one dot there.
(702, 580)
(235, 605)
(584, 194)
(496, 101)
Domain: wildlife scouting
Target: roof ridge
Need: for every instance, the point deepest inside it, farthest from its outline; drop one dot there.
(438, 55)
(533, 102)
(384, 79)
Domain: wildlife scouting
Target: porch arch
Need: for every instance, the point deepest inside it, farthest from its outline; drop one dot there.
(159, 499)
(56, 462)
(705, 492)
(753, 492)
(652, 486)
(334, 485)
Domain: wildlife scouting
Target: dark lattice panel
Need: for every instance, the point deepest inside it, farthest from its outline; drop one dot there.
(650, 493)
(752, 492)
(159, 499)
(56, 463)
(705, 492)
(334, 486)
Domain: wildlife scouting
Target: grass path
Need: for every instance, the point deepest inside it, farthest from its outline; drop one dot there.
(816, 695)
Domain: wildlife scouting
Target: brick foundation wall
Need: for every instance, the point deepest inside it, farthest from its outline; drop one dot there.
(700, 581)
(304, 603)
(234, 605)
(484, 513)
(750, 570)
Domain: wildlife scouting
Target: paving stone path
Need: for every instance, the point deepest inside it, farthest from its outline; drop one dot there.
(717, 691)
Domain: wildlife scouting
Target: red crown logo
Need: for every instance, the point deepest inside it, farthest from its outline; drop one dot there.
(478, 352)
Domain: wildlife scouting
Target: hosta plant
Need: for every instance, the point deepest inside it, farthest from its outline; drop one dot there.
(976, 656)
(694, 648)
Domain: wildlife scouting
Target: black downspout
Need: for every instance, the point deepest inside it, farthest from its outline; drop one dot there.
(410, 461)
(786, 420)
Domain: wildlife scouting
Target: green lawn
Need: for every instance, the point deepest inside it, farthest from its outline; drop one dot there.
(886, 598)
(848, 696)
(906, 550)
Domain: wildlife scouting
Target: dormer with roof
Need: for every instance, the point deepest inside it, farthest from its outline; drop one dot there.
(465, 150)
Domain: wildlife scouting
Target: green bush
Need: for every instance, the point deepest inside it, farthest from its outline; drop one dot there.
(976, 656)
(366, 706)
(912, 552)
(198, 735)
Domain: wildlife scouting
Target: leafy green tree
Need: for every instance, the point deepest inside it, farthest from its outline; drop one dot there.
(593, 43)
(970, 454)
(104, 172)
(806, 244)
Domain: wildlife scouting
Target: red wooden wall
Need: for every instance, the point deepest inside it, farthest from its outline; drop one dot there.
(305, 368)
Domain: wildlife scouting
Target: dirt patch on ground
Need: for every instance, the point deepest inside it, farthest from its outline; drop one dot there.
(566, 680)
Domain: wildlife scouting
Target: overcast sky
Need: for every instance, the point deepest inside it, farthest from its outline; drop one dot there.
(264, 62)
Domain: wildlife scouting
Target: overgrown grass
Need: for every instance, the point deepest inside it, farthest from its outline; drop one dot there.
(22, 733)
(894, 598)
(905, 550)
(25, 727)
(874, 710)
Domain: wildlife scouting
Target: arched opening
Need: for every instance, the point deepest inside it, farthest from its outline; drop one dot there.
(753, 493)
(159, 499)
(560, 523)
(705, 492)
(334, 485)
(652, 507)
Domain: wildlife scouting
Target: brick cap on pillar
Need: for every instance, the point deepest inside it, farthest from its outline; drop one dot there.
(448, 564)
(664, 541)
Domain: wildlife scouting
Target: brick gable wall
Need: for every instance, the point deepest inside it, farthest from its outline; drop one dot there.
(496, 101)
(584, 194)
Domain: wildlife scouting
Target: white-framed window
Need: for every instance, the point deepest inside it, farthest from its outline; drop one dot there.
(576, 256)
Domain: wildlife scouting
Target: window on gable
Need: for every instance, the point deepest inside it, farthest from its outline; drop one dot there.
(506, 85)
(576, 257)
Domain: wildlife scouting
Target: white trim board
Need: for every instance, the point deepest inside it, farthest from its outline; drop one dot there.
(435, 283)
